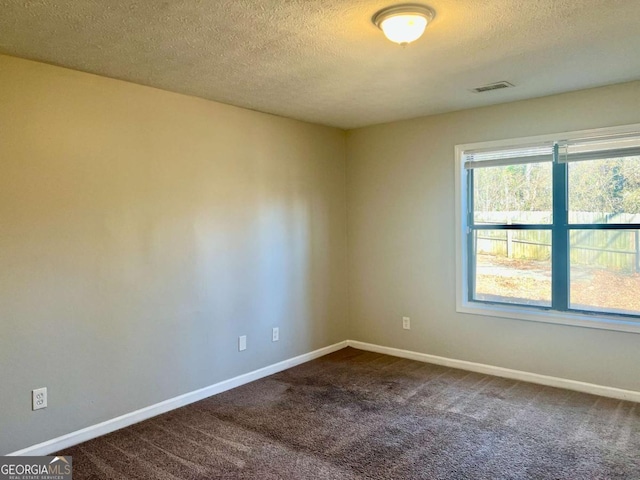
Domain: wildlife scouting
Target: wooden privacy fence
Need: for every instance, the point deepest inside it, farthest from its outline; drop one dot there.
(610, 249)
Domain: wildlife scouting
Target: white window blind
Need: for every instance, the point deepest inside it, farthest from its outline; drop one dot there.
(599, 148)
(508, 156)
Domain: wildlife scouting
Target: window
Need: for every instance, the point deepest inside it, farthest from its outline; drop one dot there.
(550, 228)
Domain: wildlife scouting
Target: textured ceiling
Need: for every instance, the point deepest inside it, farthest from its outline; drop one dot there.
(323, 61)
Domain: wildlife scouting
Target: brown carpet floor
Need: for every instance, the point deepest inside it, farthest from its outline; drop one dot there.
(355, 414)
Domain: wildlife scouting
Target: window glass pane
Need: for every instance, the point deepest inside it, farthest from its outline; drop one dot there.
(605, 270)
(513, 194)
(605, 191)
(513, 266)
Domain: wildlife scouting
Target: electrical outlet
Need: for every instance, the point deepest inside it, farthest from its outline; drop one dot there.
(275, 334)
(242, 343)
(39, 398)
(406, 323)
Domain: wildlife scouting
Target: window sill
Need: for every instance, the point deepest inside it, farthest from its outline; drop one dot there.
(598, 321)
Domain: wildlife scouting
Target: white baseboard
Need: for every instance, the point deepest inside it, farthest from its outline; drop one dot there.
(584, 387)
(127, 419)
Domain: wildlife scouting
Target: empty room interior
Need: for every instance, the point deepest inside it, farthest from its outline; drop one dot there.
(305, 239)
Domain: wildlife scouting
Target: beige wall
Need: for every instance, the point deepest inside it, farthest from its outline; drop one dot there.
(401, 196)
(400, 185)
(141, 232)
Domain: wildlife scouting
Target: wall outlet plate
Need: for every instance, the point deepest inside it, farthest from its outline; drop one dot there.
(275, 334)
(406, 323)
(39, 398)
(242, 343)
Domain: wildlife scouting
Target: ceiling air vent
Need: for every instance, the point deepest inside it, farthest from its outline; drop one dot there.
(492, 86)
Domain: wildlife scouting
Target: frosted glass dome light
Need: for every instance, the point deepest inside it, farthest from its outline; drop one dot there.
(403, 24)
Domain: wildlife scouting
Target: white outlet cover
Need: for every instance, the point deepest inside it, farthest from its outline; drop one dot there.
(275, 336)
(406, 323)
(242, 343)
(39, 398)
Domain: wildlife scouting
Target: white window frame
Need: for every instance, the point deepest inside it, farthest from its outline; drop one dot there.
(463, 305)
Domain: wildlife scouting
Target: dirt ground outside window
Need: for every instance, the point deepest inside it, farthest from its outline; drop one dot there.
(529, 282)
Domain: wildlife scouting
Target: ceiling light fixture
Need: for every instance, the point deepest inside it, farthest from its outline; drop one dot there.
(405, 23)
